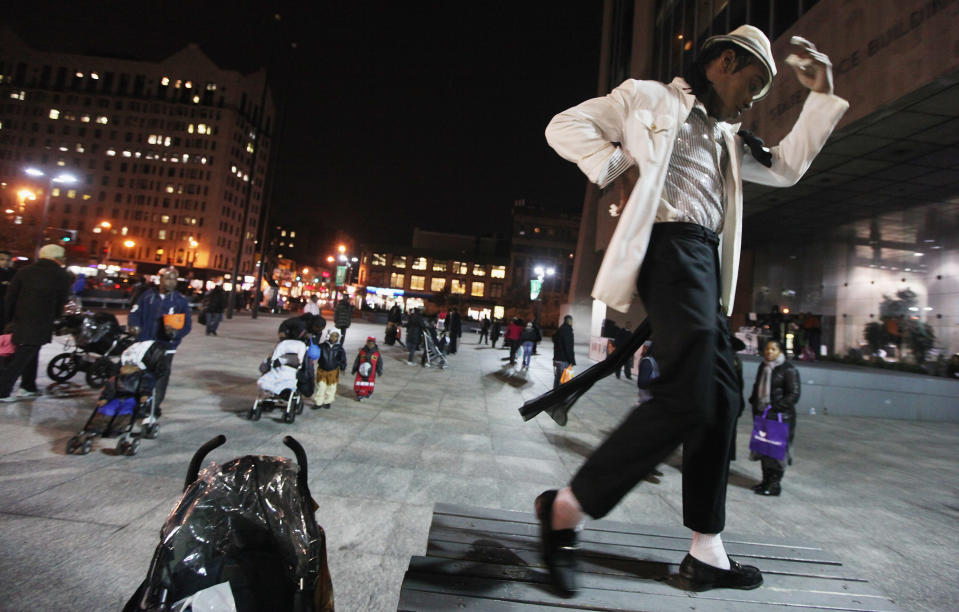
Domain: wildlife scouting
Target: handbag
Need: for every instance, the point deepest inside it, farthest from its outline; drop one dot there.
(567, 375)
(7, 347)
(770, 437)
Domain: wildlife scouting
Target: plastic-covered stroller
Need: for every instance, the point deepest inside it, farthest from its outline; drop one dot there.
(244, 535)
(117, 417)
(97, 339)
(281, 385)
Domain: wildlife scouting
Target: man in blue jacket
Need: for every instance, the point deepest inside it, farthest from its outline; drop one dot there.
(146, 321)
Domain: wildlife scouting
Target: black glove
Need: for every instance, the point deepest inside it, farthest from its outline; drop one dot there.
(757, 147)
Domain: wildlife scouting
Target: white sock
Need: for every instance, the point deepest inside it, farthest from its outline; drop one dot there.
(708, 548)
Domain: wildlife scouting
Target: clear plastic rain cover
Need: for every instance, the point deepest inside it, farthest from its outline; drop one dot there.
(249, 523)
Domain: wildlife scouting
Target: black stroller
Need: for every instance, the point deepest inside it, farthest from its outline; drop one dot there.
(97, 340)
(124, 405)
(248, 523)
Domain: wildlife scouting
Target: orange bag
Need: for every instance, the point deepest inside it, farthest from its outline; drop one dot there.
(567, 375)
(176, 321)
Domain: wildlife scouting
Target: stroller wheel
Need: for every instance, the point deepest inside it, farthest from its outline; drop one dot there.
(255, 412)
(289, 417)
(62, 367)
(99, 372)
(151, 431)
(122, 445)
(132, 447)
(73, 445)
(299, 405)
(87, 446)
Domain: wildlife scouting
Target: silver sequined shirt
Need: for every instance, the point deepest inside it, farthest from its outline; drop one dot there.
(694, 189)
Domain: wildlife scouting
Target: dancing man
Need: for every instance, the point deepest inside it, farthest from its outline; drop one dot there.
(678, 162)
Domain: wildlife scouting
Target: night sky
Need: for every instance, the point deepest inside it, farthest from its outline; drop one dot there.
(399, 113)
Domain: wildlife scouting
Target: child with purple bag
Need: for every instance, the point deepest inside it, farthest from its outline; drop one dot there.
(777, 389)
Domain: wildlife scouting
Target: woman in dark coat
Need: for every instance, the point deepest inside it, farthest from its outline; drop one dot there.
(777, 387)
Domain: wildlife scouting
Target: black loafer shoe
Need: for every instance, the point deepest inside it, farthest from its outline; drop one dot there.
(559, 546)
(759, 487)
(702, 576)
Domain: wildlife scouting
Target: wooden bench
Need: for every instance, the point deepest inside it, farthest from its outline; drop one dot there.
(488, 560)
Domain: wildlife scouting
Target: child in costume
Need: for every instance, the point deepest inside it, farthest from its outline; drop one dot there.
(368, 364)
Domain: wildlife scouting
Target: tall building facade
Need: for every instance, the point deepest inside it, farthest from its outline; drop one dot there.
(877, 213)
(163, 153)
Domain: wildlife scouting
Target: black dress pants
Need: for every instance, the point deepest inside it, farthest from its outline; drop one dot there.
(164, 380)
(694, 401)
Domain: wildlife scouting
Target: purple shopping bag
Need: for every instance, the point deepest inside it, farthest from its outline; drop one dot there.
(770, 437)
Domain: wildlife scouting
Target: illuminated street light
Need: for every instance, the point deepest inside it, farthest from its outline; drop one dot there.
(63, 177)
(341, 249)
(129, 244)
(330, 259)
(105, 224)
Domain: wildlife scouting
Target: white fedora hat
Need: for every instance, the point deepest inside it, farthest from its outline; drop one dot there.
(753, 40)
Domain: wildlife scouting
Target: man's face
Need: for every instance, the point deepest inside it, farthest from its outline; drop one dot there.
(5, 260)
(734, 88)
(168, 282)
(772, 351)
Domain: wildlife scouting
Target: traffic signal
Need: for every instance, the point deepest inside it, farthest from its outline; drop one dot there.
(66, 236)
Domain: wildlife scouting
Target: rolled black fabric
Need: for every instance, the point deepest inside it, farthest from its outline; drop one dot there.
(557, 402)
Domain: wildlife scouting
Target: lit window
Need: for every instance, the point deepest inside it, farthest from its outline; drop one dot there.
(54, 113)
(202, 128)
(165, 219)
(55, 192)
(196, 99)
(535, 230)
(399, 261)
(111, 152)
(458, 286)
(379, 259)
(18, 95)
(152, 139)
(460, 267)
(161, 234)
(249, 147)
(94, 76)
(211, 86)
(479, 270)
(397, 280)
(169, 188)
(71, 193)
(127, 154)
(476, 289)
(498, 312)
(437, 283)
(498, 272)
(419, 263)
(283, 232)
(165, 81)
(188, 84)
(189, 129)
(417, 283)
(85, 118)
(167, 141)
(123, 231)
(79, 75)
(439, 266)
(102, 119)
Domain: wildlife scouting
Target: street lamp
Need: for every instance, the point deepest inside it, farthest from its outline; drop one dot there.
(65, 178)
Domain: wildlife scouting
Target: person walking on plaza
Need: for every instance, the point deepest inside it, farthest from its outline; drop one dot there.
(777, 389)
(495, 331)
(484, 331)
(678, 162)
(343, 317)
(513, 332)
(415, 328)
(215, 305)
(6, 275)
(563, 355)
(33, 300)
(163, 315)
(311, 306)
(305, 327)
(455, 328)
(331, 362)
(367, 366)
(528, 339)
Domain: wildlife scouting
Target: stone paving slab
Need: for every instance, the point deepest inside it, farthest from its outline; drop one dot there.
(882, 494)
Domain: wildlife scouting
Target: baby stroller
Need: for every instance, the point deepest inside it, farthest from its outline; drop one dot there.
(97, 339)
(242, 537)
(287, 377)
(434, 348)
(122, 402)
